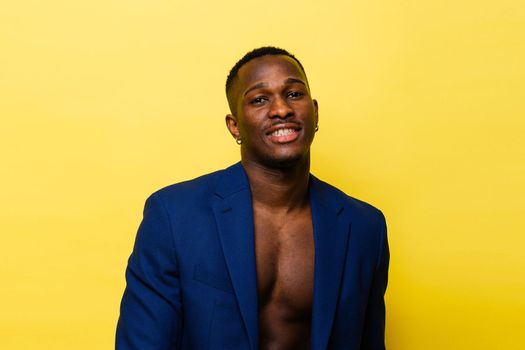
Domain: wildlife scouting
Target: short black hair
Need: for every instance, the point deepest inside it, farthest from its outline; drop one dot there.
(255, 53)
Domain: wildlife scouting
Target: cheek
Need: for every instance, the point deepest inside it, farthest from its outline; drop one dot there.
(249, 133)
(249, 124)
(246, 128)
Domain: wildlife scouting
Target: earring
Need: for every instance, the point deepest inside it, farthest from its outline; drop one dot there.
(239, 141)
(316, 128)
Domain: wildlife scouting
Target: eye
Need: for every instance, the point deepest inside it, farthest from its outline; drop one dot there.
(294, 94)
(258, 100)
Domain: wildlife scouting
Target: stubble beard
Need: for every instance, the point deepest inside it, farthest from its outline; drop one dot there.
(281, 162)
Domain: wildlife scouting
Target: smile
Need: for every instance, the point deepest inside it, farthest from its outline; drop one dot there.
(282, 132)
(283, 135)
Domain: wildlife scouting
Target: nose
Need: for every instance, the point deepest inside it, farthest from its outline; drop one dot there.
(280, 108)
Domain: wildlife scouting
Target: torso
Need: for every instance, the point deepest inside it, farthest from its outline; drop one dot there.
(284, 249)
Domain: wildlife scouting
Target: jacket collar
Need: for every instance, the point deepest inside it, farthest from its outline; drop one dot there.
(234, 215)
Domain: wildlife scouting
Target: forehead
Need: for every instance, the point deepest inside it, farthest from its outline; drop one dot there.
(268, 69)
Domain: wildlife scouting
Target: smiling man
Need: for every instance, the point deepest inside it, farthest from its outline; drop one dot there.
(261, 255)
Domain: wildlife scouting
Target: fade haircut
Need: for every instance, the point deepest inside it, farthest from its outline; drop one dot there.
(255, 53)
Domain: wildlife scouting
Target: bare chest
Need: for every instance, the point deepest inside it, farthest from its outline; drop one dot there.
(284, 250)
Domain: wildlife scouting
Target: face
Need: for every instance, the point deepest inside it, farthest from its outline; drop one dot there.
(275, 114)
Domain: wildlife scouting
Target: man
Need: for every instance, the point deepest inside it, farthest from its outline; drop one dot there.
(262, 255)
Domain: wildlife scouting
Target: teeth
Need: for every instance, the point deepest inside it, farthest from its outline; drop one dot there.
(283, 132)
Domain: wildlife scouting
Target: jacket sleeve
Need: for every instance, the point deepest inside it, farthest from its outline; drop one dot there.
(150, 311)
(374, 330)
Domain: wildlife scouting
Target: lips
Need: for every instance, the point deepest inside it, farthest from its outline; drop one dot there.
(283, 133)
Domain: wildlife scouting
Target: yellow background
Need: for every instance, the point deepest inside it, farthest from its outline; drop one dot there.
(421, 114)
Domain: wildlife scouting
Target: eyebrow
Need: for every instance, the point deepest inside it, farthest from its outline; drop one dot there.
(262, 85)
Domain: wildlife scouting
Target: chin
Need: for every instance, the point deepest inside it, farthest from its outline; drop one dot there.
(285, 161)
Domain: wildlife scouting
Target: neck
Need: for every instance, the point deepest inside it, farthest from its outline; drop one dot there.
(276, 188)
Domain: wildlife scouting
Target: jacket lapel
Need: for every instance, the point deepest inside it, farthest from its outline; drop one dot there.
(232, 207)
(331, 231)
(233, 212)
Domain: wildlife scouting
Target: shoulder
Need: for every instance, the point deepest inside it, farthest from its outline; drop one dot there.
(357, 208)
(188, 194)
(368, 224)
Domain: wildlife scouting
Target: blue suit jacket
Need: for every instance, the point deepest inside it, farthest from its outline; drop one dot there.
(191, 279)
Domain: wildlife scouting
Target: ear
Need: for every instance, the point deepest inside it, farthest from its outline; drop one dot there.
(231, 124)
(316, 110)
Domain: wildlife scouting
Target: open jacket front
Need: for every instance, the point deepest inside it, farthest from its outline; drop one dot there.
(191, 279)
